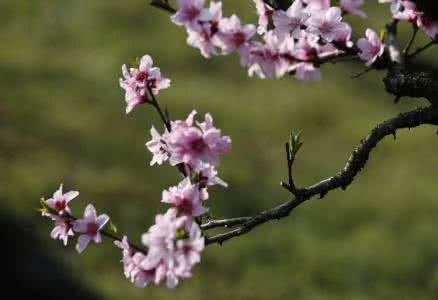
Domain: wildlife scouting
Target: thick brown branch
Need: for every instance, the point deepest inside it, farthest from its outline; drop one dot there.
(354, 165)
(405, 81)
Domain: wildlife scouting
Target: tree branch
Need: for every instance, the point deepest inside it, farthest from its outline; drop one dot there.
(164, 5)
(408, 81)
(345, 177)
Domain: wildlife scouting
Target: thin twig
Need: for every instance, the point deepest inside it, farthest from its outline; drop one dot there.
(157, 107)
(116, 238)
(411, 41)
(163, 4)
(224, 223)
(425, 47)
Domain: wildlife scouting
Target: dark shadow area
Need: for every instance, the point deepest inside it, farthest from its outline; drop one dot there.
(31, 272)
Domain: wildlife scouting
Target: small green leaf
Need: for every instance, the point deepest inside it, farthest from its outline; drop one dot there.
(43, 202)
(382, 34)
(295, 143)
(113, 227)
(43, 210)
(180, 234)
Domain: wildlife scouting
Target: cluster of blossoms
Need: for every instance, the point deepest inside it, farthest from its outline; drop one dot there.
(175, 241)
(285, 42)
(408, 11)
(88, 228)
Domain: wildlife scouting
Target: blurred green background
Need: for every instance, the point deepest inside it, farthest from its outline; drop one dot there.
(62, 120)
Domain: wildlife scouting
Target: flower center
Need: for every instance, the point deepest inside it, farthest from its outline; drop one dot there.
(238, 38)
(60, 205)
(92, 228)
(142, 76)
(198, 145)
(192, 13)
(185, 207)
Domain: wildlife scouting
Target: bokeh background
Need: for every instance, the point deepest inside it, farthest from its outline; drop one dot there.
(62, 120)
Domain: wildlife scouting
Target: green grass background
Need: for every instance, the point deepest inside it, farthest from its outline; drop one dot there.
(62, 120)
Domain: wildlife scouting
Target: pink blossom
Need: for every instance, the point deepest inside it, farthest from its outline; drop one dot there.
(317, 5)
(189, 248)
(192, 144)
(353, 7)
(158, 147)
(188, 13)
(327, 24)
(264, 12)
(132, 266)
(187, 198)
(291, 21)
(202, 40)
(268, 59)
(136, 82)
(126, 254)
(232, 35)
(429, 26)
(174, 245)
(59, 201)
(344, 36)
(307, 72)
(407, 11)
(306, 48)
(203, 36)
(207, 175)
(63, 227)
(370, 47)
(89, 227)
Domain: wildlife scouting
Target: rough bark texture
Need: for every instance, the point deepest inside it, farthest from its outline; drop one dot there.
(404, 81)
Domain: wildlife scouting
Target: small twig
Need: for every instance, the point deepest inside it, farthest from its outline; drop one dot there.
(411, 41)
(163, 4)
(157, 107)
(425, 47)
(116, 238)
(360, 74)
(290, 158)
(164, 116)
(224, 223)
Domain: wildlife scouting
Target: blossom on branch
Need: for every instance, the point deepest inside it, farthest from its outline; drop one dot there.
(89, 227)
(292, 21)
(191, 144)
(370, 47)
(232, 35)
(59, 201)
(63, 227)
(206, 175)
(352, 7)
(204, 36)
(174, 246)
(187, 198)
(327, 23)
(158, 147)
(132, 266)
(137, 82)
(264, 13)
(188, 13)
(317, 5)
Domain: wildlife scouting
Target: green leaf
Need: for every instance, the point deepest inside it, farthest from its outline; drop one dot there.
(113, 227)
